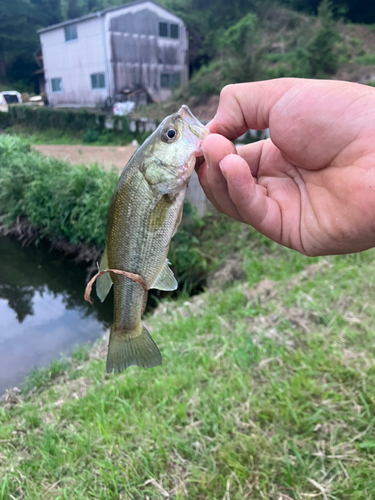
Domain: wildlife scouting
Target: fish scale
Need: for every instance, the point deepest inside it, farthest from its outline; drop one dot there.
(143, 216)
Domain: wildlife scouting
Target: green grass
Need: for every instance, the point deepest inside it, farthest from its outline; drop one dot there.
(55, 136)
(267, 390)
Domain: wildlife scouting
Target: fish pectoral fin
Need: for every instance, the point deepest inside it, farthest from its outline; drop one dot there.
(104, 282)
(130, 348)
(166, 280)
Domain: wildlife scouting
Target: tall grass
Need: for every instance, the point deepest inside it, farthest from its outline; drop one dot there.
(59, 199)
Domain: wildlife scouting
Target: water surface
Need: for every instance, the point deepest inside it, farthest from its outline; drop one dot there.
(42, 311)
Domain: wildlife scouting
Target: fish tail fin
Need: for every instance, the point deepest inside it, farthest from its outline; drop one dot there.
(133, 348)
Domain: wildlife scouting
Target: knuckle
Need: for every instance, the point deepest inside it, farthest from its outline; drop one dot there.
(227, 90)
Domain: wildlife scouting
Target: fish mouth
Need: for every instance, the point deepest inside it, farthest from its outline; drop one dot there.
(195, 126)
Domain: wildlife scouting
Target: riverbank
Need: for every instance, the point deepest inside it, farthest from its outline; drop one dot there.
(267, 390)
(66, 205)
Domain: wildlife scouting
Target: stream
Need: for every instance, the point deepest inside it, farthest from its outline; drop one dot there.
(42, 311)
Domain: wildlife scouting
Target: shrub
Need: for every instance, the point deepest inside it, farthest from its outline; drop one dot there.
(322, 53)
(42, 118)
(208, 80)
(366, 60)
(90, 135)
(61, 200)
(4, 120)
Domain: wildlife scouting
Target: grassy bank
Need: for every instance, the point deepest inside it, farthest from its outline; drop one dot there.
(266, 391)
(90, 137)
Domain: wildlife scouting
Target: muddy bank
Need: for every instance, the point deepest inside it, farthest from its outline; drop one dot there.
(26, 233)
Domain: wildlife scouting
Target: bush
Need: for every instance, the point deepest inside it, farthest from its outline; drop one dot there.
(366, 60)
(322, 52)
(4, 120)
(90, 135)
(43, 118)
(61, 200)
(208, 80)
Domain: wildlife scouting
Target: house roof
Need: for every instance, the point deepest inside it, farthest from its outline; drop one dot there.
(99, 14)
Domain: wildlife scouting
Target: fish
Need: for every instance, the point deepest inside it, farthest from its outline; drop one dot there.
(143, 216)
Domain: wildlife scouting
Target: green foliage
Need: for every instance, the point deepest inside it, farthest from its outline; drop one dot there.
(240, 59)
(357, 11)
(90, 136)
(321, 51)
(189, 262)
(293, 64)
(4, 120)
(71, 202)
(62, 200)
(43, 118)
(208, 80)
(366, 59)
(243, 52)
(241, 35)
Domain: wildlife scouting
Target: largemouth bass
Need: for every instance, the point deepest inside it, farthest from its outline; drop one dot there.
(144, 214)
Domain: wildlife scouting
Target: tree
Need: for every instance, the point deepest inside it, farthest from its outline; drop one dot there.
(321, 51)
(16, 37)
(242, 51)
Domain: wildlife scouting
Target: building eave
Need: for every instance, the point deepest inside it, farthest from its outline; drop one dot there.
(99, 14)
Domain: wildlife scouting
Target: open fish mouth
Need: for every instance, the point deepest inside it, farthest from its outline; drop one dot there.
(193, 123)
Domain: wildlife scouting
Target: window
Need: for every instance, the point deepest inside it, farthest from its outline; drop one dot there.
(169, 80)
(165, 81)
(163, 29)
(56, 84)
(167, 30)
(174, 30)
(70, 32)
(98, 81)
(175, 80)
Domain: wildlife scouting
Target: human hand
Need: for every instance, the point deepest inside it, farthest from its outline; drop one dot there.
(311, 186)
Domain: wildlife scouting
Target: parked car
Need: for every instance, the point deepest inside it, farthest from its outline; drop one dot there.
(9, 97)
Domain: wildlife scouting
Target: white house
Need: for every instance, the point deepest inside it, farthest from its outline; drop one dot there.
(137, 45)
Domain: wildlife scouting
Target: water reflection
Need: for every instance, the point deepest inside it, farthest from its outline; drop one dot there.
(42, 311)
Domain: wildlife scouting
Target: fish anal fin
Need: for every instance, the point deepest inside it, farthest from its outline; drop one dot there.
(166, 280)
(104, 282)
(132, 348)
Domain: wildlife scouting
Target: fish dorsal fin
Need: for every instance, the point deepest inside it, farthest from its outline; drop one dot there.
(104, 282)
(166, 280)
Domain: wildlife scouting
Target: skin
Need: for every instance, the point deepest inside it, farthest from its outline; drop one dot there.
(311, 186)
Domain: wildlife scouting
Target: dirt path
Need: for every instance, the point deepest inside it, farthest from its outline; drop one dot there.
(104, 155)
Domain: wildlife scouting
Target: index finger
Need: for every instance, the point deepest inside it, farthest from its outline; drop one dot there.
(245, 106)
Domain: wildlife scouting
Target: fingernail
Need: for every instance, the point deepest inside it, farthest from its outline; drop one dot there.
(222, 170)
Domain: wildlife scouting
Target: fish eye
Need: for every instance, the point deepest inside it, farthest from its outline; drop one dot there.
(171, 133)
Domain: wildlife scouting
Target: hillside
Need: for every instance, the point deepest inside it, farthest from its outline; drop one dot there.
(278, 48)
